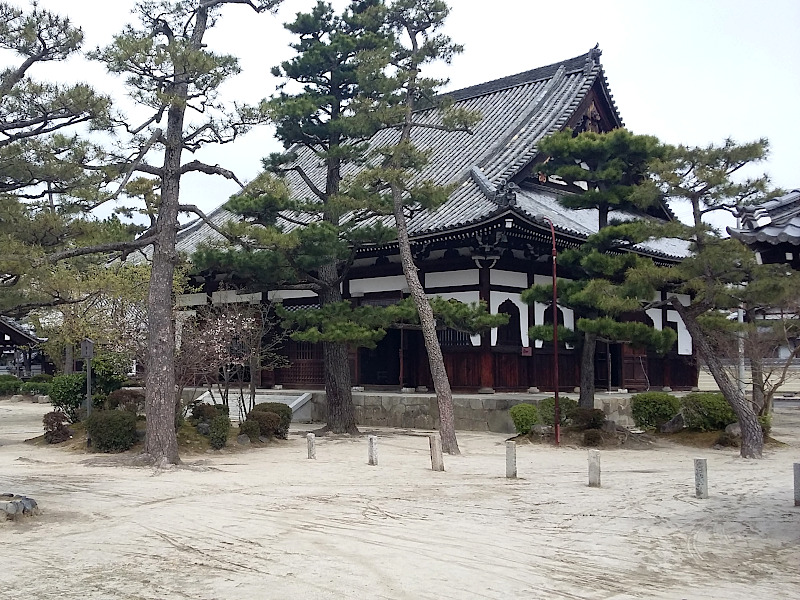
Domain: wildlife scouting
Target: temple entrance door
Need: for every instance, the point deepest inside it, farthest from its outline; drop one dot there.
(634, 367)
(381, 365)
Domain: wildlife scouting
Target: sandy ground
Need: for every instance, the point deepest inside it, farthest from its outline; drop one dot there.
(269, 523)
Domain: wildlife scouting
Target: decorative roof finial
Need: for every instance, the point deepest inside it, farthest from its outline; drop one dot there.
(592, 59)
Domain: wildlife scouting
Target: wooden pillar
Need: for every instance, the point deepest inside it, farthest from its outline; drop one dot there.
(487, 359)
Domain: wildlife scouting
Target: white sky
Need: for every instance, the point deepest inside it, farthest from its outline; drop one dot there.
(686, 71)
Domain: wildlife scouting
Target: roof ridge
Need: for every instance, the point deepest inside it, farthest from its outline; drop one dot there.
(570, 65)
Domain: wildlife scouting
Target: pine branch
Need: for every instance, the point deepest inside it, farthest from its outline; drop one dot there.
(202, 167)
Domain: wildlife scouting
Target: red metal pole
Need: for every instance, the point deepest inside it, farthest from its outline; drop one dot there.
(557, 423)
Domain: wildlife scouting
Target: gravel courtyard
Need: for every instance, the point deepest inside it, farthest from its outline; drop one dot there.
(269, 523)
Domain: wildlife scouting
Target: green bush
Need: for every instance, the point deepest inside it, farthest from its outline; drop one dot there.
(41, 378)
(588, 418)
(202, 412)
(269, 423)
(593, 438)
(34, 388)
(220, 426)
(9, 387)
(55, 427)
(766, 423)
(547, 410)
(651, 409)
(524, 416)
(707, 411)
(68, 394)
(8, 377)
(126, 399)
(251, 428)
(280, 409)
(112, 430)
(108, 373)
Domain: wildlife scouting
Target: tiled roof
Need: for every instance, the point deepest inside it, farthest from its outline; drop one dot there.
(516, 113)
(780, 221)
(21, 330)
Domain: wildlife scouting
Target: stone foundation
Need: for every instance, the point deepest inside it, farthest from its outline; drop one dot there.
(472, 413)
(13, 506)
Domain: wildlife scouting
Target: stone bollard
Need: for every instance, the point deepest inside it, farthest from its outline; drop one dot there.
(797, 484)
(594, 468)
(701, 478)
(372, 450)
(312, 445)
(511, 459)
(437, 462)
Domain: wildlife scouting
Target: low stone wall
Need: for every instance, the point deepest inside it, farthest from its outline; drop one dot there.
(472, 413)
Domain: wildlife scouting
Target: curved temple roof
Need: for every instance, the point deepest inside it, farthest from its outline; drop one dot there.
(774, 222)
(516, 113)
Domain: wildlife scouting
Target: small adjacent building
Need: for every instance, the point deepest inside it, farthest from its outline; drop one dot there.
(490, 241)
(19, 353)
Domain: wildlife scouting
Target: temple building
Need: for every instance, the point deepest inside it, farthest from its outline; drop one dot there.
(490, 241)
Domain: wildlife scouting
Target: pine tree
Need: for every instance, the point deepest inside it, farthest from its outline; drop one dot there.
(613, 167)
(721, 273)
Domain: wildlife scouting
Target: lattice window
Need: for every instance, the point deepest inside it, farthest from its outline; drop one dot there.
(452, 337)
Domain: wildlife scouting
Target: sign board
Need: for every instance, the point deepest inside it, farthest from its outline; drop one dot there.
(87, 348)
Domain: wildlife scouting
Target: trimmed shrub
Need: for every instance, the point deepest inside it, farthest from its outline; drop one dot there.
(707, 411)
(588, 418)
(34, 388)
(8, 377)
(280, 409)
(9, 387)
(218, 437)
(593, 438)
(68, 394)
(112, 430)
(652, 409)
(547, 410)
(41, 378)
(524, 416)
(126, 399)
(208, 412)
(55, 427)
(251, 428)
(107, 373)
(269, 423)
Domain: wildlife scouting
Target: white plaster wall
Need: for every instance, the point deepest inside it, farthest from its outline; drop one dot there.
(230, 296)
(466, 298)
(450, 278)
(684, 339)
(278, 295)
(393, 283)
(655, 315)
(497, 298)
(508, 278)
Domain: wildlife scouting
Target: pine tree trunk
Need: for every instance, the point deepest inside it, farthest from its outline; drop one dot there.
(441, 383)
(586, 399)
(336, 362)
(752, 435)
(161, 442)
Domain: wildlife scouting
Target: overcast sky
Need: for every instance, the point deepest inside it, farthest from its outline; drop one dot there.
(687, 71)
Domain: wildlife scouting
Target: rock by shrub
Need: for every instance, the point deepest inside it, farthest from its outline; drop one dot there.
(592, 438)
(547, 410)
(220, 427)
(280, 409)
(251, 428)
(653, 409)
(727, 440)
(68, 394)
(269, 423)
(112, 430)
(524, 417)
(588, 418)
(35, 388)
(707, 411)
(55, 427)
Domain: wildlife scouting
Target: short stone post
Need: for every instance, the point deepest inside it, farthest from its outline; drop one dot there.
(797, 484)
(312, 445)
(372, 450)
(437, 462)
(511, 459)
(701, 478)
(594, 468)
